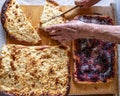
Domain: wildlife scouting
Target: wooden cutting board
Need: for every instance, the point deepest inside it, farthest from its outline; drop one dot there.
(33, 13)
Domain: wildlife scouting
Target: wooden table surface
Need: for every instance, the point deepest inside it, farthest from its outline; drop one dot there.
(33, 14)
(38, 2)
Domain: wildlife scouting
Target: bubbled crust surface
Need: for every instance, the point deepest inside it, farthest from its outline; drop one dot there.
(17, 25)
(34, 71)
(89, 72)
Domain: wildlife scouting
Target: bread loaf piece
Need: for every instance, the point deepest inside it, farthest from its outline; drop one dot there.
(51, 9)
(17, 25)
(34, 71)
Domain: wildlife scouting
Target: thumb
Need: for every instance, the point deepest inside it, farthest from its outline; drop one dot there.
(79, 2)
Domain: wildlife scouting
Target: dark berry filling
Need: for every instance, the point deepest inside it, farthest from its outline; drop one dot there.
(95, 20)
(94, 58)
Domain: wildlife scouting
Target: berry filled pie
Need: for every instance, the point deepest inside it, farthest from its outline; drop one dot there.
(94, 59)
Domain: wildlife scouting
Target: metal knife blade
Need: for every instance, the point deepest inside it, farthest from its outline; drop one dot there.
(62, 13)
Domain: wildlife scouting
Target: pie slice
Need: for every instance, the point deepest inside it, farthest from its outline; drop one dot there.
(94, 60)
(34, 71)
(51, 9)
(17, 25)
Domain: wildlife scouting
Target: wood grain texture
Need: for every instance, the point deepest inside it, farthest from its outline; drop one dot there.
(33, 13)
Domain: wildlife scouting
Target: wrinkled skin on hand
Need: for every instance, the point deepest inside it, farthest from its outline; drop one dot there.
(86, 3)
(66, 32)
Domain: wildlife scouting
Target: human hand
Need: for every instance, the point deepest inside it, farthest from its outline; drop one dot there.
(86, 3)
(66, 32)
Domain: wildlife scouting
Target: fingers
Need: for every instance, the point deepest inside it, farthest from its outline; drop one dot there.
(86, 3)
(79, 2)
(58, 38)
(61, 37)
(54, 33)
(64, 32)
(55, 27)
(70, 24)
(92, 2)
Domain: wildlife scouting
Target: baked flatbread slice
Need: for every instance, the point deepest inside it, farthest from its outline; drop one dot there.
(17, 25)
(51, 9)
(34, 71)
